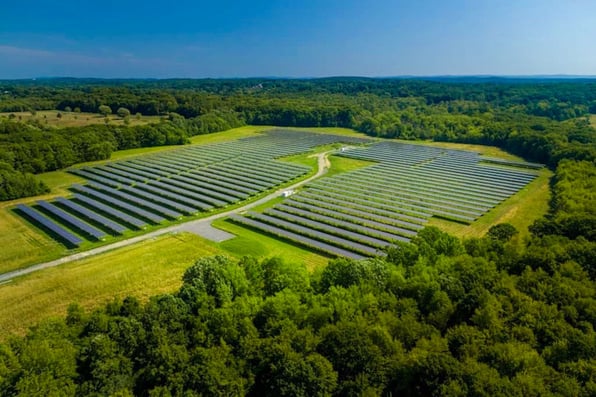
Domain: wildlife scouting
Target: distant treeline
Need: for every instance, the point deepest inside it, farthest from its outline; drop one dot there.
(541, 121)
(522, 116)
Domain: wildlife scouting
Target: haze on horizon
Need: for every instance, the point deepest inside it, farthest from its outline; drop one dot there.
(309, 38)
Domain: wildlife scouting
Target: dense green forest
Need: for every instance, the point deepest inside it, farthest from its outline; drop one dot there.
(544, 121)
(489, 316)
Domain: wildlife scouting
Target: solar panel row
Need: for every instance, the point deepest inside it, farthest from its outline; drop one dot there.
(59, 231)
(91, 215)
(72, 221)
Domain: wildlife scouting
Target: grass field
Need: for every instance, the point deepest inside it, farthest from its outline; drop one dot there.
(593, 120)
(73, 119)
(521, 210)
(142, 270)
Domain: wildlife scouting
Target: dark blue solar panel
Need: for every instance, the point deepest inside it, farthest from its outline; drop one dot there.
(94, 177)
(119, 203)
(71, 220)
(122, 216)
(328, 238)
(137, 200)
(50, 225)
(184, 195)
(309, 242)
(95, 217)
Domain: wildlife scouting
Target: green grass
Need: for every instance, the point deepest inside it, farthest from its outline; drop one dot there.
(142, 270)
(521, 210)
(593, 120)
(491, 151)
(344, 164)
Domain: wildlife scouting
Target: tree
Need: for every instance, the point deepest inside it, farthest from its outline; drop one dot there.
(104, 110)
(123, 112)
(502, 232)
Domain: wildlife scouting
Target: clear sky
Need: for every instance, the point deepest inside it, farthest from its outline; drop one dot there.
(301, 38)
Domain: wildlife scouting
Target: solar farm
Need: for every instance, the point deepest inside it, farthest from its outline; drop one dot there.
(156, 189)
(359, 213)
(355, 214)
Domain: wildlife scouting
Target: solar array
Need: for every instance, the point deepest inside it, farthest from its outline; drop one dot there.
(152, 189)
(60, 232)
(367, 210)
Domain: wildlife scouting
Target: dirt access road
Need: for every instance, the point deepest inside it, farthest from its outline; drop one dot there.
(191, 226)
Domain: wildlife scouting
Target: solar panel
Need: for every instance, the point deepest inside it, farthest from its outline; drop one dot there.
(328, 238)
(186, 195)
(71, 220)
(122, 216)
(137, 200)
(309, 242)
(218, 199)
(127, 174)
(320, 202)
(119, 203)
(160, 197)
(229, 193)
(366, 226)
(110, 175)
(94, 177)
(99, 219)
(50, 225)
(232, 177)
(326, 227)
(216, 181)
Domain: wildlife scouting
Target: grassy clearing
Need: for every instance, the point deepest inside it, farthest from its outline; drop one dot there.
(248, 242)
(145, 269)
(521, 210)
(73, 119)
(344, 164)
(593, 120)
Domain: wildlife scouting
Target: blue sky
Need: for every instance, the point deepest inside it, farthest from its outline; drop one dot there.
(304, 38)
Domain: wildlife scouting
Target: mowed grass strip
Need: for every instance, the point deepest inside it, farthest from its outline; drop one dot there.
(141, 270)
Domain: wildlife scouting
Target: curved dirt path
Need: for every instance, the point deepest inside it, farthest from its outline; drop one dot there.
(323, 166)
